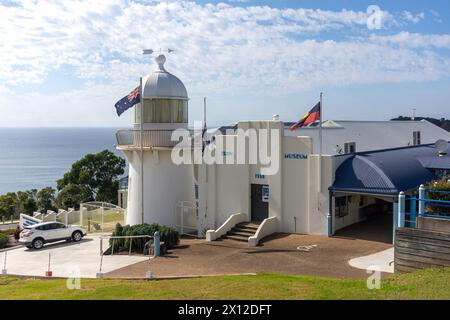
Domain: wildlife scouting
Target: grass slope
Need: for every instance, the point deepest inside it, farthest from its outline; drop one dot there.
(424, 284)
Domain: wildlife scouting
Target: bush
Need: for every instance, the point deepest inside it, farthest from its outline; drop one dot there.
(170, 236)
(4, 238)
(438, 208)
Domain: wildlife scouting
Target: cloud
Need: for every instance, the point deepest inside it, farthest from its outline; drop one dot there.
(219, 48)
(411, 17)
(414, 40)
(436, 16)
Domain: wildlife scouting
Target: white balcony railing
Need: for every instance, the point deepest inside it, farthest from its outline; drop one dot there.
(150, 138)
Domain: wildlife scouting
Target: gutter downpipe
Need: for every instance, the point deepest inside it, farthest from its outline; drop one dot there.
(330, 214)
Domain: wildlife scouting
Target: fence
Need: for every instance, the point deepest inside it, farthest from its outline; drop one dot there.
(101, 216)
(410, 209)
(422, 231)
(418, 249)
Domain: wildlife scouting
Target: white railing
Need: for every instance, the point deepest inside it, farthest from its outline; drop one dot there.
(233, 220)
(267, 227)
(150, 138)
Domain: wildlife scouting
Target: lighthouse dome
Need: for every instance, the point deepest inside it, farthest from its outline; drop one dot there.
(161, 84)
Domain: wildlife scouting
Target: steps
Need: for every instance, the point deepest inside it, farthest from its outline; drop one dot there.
(242, 231)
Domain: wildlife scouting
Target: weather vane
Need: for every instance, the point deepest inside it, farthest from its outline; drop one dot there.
(151, 51)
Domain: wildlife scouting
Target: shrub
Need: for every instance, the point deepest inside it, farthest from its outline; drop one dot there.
(118, 231)
(4, 238)
(170, 236)
(438, 208)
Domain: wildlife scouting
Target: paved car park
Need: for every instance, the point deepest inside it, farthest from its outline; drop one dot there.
(67, 259)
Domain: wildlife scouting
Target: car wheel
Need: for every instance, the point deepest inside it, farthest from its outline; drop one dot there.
(76, 236)
(38, 243)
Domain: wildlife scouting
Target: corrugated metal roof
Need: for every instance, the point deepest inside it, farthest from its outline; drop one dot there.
(371, 135)
(388, 171)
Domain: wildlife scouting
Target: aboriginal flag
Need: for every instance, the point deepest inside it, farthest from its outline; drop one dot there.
(312, 116)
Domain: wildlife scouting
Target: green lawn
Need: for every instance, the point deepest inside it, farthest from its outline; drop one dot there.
(425, 284)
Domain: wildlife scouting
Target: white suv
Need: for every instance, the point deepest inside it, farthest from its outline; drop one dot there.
(35, 236)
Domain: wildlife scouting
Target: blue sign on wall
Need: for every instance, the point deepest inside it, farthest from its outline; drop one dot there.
(298, 156)
(265, 194)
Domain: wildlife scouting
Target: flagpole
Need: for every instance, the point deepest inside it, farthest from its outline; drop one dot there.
(320, 146)
(204, 133)
(141, 134)
(204, 112)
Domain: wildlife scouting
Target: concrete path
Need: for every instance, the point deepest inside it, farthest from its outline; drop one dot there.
(382, 260)
(67, 259)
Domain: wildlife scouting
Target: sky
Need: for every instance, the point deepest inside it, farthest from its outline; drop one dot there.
(66, 63)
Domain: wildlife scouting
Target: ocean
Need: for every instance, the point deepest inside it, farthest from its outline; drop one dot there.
(37, 157)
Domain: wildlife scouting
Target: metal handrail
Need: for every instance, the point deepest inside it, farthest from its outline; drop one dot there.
(120, 237)
(131, 138)
(437, 191)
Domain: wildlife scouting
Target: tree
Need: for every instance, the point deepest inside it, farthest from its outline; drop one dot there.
(97, 174)
(9, 204)
(443, 123)
(72, 195)
(27, 201)
(46, 199)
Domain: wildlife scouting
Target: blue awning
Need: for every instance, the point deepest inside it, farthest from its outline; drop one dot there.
(387, 172)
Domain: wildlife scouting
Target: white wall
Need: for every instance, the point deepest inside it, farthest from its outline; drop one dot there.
(224, 189)
(295, 185)
(293, 189)
(165, 184)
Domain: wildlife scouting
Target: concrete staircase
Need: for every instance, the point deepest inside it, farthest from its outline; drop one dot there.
(242, 231)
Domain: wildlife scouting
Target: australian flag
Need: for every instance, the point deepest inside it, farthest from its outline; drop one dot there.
(127, 102)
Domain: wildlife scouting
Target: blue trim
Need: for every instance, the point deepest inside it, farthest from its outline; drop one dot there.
(431, 200)
(436, 191)
(413, 213)
(433, 216)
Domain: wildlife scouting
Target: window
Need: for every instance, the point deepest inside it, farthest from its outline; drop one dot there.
(163, 111)
(416, 138)
(45, 227)
(349, 147)
(342, 204)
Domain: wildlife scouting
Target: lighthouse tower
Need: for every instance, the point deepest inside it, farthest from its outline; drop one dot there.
(156, 184)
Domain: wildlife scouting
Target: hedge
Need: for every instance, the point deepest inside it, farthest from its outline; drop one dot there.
(170, 236)
(4, 238)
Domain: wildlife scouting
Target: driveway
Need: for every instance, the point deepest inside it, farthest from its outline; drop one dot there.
(279, 253)
(66, 259)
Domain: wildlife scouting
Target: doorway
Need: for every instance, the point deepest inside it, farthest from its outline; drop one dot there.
(260, 202)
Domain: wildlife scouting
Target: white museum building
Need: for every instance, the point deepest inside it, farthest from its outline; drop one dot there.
(292, 187)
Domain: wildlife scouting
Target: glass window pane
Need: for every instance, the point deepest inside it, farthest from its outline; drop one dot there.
(165, 111)
(137, 113)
